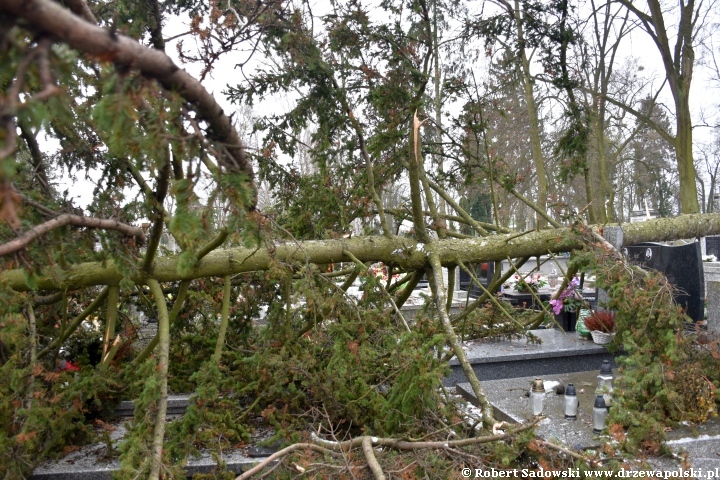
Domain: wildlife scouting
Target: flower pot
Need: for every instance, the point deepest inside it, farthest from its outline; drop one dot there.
(567, 320)
(580, 324)
(601, 338)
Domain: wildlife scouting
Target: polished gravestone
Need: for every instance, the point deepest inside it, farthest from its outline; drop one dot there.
(559, 352)
(683, 267)
(484, 272)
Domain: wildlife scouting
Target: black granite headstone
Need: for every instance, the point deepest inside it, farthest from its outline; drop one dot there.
(483, 272)
(567, 320)
(683, 267)
(712, 245)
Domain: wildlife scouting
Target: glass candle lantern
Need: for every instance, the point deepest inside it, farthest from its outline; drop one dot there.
(605, 382)
(599, 414)
(553, 279)
(537, 397)
(571, 402)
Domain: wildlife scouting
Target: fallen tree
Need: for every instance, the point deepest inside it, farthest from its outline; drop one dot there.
(402, 253)
(128, 111)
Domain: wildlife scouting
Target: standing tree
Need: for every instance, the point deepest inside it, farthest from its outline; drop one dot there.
(678, 61)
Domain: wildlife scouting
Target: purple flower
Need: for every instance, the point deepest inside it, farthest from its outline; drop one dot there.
(557, 306)
(568, 292)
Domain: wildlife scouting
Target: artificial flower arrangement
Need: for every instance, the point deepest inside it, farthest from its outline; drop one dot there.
(529, 283)
(570, 298)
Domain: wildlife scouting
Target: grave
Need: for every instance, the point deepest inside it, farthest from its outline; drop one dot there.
(483, 272)
(90, 462)
(712, 292)
(683, 267)
(558, 353)
(701, 443)
(526, 299)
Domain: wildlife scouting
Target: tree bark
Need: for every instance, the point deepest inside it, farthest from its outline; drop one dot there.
(535, 141)
(162, 372)
(404, 254)
(68, 219)
(678, 62)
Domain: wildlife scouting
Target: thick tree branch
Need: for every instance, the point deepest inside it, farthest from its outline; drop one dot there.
(438, 289)
(375, 467)
(218, 240)
(161, 189)
(404, 253)
(68, 219)
(152, 63)
(328, 446)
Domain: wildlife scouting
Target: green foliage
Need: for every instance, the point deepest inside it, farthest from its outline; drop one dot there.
(43, 410)
(136, 448)
(214, 418)
(661, 371)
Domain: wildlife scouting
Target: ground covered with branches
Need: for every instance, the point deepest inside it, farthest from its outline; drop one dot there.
(241, 233)
(322, 369)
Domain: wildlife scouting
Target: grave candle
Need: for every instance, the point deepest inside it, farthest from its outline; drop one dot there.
(571, 402)
(599, 414)
(537, 397)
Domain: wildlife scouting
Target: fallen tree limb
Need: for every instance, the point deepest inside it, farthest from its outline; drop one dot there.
(404, 254)
(567, 452)
(333, 448)
(438, 289)
(162, 378)
(119, 49)
(375, 467)
(67, 219)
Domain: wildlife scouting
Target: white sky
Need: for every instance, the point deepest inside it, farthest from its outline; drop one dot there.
(638, 46)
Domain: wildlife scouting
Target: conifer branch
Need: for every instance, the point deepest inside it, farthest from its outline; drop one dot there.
(111, 317)
(482, 299)
(74, 220)
(163, 183)
(403, 253)
(37, 159)
(152, 63)
(80, 7)
(182, 293)
(74, 324)
(224, 315)
(461, 211)
(438, 290)
(162, 372)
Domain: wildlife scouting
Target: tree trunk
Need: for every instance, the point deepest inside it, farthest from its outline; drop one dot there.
(404, 254)
(683, 150)
(535, 142)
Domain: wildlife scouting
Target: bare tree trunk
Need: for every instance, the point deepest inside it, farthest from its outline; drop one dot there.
(535, 141)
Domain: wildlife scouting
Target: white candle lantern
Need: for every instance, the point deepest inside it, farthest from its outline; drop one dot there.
(537, 397)
(605, 382)
(600, 413)
(571, 402)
